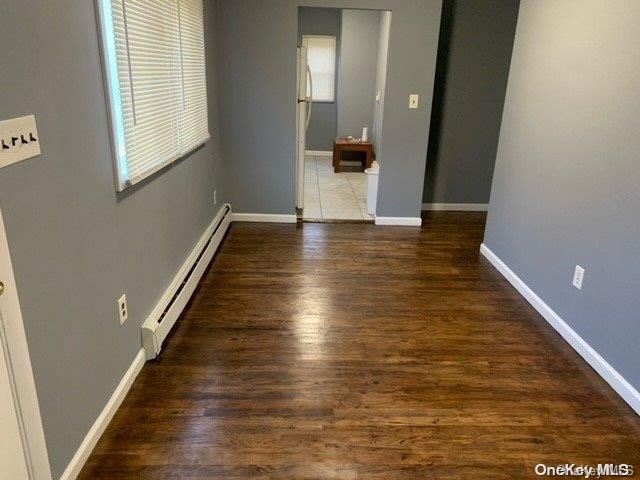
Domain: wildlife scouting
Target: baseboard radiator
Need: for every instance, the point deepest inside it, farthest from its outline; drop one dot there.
(156, 328)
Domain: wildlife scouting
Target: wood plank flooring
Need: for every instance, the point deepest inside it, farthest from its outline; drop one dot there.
(337, 351)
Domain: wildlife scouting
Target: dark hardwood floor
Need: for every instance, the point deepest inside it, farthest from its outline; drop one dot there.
(336, 351)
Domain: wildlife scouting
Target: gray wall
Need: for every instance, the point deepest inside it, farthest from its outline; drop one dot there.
(381, 77)
(322, 126)
(357, 71)
(258, 84)
(76, 246)
(565, 189)
(476, 40)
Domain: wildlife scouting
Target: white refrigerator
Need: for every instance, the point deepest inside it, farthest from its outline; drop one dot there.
(303, 116)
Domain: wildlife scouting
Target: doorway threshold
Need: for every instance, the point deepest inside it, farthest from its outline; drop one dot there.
(337, 220)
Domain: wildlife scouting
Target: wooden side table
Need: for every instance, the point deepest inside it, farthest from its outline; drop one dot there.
(344, 145)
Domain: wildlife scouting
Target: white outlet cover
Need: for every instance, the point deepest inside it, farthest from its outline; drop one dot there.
(19, 140)
(578, 277)
(123, 309)
(414, 100)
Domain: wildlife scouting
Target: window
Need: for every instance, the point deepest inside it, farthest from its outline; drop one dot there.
(321, 55)
(155, 75)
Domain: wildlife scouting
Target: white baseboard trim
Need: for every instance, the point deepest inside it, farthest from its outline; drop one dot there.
(99, 426)
(593, 358)
(403, 221)
(319, 153)
(264, 217)
(459, 207)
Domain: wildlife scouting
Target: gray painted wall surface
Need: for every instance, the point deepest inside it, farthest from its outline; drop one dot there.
(565, 189)
(476, 40)
(381, 77)
(257, 80)
(322, 126)
(357, 72)
(75, 246)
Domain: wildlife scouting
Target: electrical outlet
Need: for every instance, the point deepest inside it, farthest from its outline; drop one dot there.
(123, 311)
(215, 197)
(413, 101)
(578, 276)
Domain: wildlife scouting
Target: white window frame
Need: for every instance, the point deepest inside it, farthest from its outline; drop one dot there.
(116, 130)
(305, 43)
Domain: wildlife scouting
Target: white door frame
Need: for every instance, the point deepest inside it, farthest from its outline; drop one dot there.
(19, 365)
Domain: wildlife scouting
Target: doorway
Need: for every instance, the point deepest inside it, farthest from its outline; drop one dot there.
(342, 63)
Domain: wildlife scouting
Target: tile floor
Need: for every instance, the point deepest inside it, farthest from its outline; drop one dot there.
(333, 196)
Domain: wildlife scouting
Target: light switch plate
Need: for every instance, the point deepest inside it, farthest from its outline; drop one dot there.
(18, 140)
(578, 277)
(413, 101)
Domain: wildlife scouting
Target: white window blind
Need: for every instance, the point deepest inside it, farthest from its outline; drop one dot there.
(155, 68)
(321, 55)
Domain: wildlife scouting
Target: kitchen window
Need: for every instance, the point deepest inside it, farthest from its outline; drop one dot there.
(321, 55)
(155, 73)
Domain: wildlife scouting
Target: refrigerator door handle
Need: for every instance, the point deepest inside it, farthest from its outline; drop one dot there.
(310, 96)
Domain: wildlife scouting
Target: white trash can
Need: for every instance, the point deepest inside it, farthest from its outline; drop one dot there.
(372, 187)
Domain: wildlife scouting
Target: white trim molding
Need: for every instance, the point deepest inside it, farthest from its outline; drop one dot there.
(99, 426)
(456, 207)
(586, 351)
(264, 217)
(402, 221)
(14, 347)
(319, 153)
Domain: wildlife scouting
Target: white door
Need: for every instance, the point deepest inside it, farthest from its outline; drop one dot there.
(23, 451)
(303, 115)
(12, 461)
